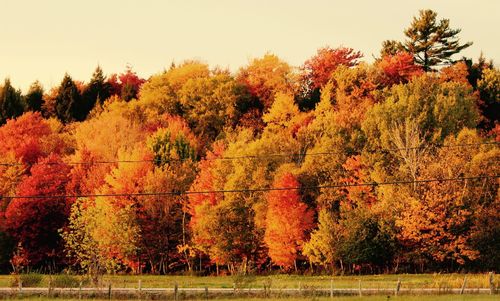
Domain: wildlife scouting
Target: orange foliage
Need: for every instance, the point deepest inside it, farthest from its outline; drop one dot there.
(287, 222)
(398, 68)
(320, 67)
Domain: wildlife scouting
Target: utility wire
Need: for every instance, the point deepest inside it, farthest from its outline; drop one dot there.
(264, 189)
(263, 157)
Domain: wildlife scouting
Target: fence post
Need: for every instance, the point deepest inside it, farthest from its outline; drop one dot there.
(331, 289)
(398, 286)
(492, 284)
(206, 292)
(20, 284)
(359, 288)
(139, 288)
(49, 289)
(176, 289)
(80, 290)
(463, 285)
(109, 291)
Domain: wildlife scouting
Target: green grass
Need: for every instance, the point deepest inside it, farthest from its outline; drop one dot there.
(291, 281)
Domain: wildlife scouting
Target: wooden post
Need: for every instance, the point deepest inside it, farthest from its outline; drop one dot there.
(49, 289)
(80, 290)
(463, 285)
(359, 288)
(206, 293)
(300, 287)
(234, 288)
(331, 289)
(109, 291)
(398, 286)
(20, 284)
(176, 290)
(139, 288)
(492, 284)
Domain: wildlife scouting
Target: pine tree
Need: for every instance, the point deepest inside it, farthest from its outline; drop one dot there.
(69, 106)
(97, 91)
(432, 43)
(34, 98)
(11, 104)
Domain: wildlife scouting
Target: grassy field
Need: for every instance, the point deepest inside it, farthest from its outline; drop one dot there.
(410, 281)
(369, 298)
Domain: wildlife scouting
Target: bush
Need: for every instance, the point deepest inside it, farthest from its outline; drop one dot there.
(66, 280)
(27, 280)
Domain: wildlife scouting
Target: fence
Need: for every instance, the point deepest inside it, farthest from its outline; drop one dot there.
(180, 293)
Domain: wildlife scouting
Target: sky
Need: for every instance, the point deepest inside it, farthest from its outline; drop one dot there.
(44, 39)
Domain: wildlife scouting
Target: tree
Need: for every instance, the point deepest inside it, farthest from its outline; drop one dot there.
(266, 76)
(11, 102)
(100, 237)
(287, 223)
(69, 106)
(489, 93)
(34, 97)
(318, 70)
(34, 222)
(397, 68)
(97, 90)
(431, 42)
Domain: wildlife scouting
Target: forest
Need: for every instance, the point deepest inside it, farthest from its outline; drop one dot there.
(334, 166)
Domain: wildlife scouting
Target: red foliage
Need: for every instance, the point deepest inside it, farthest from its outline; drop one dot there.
(34, 222)
(287, 222)
(23, 137)
(398, 68)
(126, 79)
(320, 67)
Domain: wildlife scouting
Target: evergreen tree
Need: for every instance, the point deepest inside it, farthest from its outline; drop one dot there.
(11, 102)
(69, 106)
(34, 98)
(97, 91)
(432, 43)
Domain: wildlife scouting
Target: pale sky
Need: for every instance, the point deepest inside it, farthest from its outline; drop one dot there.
(44, 39)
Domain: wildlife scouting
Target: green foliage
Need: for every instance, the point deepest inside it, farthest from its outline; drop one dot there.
(69, 106)
(11, 102)
(34, 97)
(432, 43)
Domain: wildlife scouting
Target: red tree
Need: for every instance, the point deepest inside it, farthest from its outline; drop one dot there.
(287, 222)
(319, 68)
(23, 137)
(398, 68)
(34, 222)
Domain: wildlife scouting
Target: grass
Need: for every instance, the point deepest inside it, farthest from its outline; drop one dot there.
(287, 281)
(368, 298)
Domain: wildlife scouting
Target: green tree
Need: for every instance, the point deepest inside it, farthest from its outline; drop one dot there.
(69, 106)
(432, 42)
(11, 102)
(34, 97)
(97, 91)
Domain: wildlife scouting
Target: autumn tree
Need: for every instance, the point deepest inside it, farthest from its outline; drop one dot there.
(287, 222)
(397, 68)
(489, 93)
(432, 42)
(99, 237)
(11, 102)
(318, 70)
(34, 97)
(34, 222)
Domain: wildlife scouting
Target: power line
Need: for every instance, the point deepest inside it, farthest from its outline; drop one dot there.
(266, 156)
(264, 189)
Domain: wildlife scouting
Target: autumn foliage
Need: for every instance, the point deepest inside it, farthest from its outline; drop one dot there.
(337, 166)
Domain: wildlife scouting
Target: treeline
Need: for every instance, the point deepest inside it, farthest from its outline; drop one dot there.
(336, 166)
